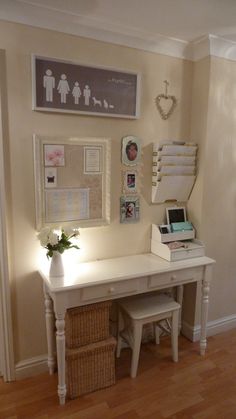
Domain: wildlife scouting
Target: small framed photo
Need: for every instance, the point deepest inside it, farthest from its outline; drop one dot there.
(130, 181)
(129, 209)
(54, 155)
(175, 215)
(50, 177)
(131, 150)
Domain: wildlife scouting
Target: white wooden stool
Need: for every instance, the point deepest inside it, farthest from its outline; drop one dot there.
(136, 312)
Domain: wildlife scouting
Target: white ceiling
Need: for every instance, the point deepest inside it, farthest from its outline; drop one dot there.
(122, 21)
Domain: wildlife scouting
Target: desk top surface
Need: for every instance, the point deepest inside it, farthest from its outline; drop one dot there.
(117, 269)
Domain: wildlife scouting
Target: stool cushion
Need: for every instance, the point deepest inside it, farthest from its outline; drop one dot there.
(145, 306)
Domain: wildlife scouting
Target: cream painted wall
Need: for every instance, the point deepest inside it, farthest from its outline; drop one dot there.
(219, 190)
(213, 201)
(199, 119)
(20, 41)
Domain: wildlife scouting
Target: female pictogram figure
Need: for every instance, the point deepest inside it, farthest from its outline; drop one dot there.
(63, 88)
(76, 92)
(87, 94)
(49, 85)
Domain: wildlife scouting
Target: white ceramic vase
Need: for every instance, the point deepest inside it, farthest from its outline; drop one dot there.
(56, 267)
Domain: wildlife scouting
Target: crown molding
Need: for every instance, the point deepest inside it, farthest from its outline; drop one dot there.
(200, 48)
(212, 45)
(44, 17)
(222, 48)
(25, 12)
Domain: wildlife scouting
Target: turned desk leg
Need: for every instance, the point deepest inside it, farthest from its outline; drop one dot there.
(60, 339)
(204, 308)
(179, 298)
(49, 314)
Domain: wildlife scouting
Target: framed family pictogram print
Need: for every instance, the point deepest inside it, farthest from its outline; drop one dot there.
(67, 86)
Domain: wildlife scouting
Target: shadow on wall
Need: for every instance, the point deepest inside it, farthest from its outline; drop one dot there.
(147, 173)
(33, 310)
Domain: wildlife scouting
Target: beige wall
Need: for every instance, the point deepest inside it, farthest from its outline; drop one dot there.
(219, 191)
(207, 88)
(213, 201)
(19, 42)
(199, 119)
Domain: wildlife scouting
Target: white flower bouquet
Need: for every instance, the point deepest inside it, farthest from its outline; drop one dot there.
(57, 240)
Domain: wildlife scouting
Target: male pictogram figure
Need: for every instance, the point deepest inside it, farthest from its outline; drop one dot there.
(49, 85)
(87, 94)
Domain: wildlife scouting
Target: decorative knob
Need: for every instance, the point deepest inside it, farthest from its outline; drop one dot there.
(173, 278)
(111, 290)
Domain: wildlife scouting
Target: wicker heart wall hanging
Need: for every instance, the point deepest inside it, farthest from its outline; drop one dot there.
(168, 103)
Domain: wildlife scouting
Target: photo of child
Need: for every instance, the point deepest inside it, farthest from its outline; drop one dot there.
(129, 209)
(131, 150)
(131, 180)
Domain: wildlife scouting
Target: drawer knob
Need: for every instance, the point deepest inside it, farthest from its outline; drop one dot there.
(111, 290)
(173, 278)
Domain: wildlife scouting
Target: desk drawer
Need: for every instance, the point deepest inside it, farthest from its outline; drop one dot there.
(109, 290)
(170, 278)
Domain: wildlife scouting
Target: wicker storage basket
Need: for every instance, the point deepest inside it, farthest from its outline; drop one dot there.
(90, 367)
(87, 324)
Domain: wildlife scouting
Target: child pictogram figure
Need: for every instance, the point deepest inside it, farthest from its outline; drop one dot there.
(49, 84)
(76, 92)
(63, 88)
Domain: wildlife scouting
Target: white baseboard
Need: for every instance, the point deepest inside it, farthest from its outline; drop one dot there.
(31, 366)
(213, 327)
(38, 364)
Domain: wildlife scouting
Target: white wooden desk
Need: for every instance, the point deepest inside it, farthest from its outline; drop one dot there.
(115, 278)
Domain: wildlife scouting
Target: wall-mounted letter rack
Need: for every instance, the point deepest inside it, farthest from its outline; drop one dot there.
(173, 171)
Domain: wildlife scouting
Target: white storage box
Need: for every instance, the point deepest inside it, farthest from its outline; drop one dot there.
(195, 248)
(171, 237)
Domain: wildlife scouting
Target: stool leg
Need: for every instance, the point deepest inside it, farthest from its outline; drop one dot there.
(119, 338)
(157, 333)
(174, 335)
(137, 336)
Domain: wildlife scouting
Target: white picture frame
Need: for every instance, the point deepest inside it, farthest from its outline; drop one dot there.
(130, 183)
(131, 150)
(60, 203)
(129, 209)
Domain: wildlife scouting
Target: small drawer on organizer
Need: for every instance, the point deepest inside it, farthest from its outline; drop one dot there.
(109, 290)
(172, 278)
(191, 249)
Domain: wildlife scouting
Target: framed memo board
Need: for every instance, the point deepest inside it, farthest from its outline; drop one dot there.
(72, 181)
